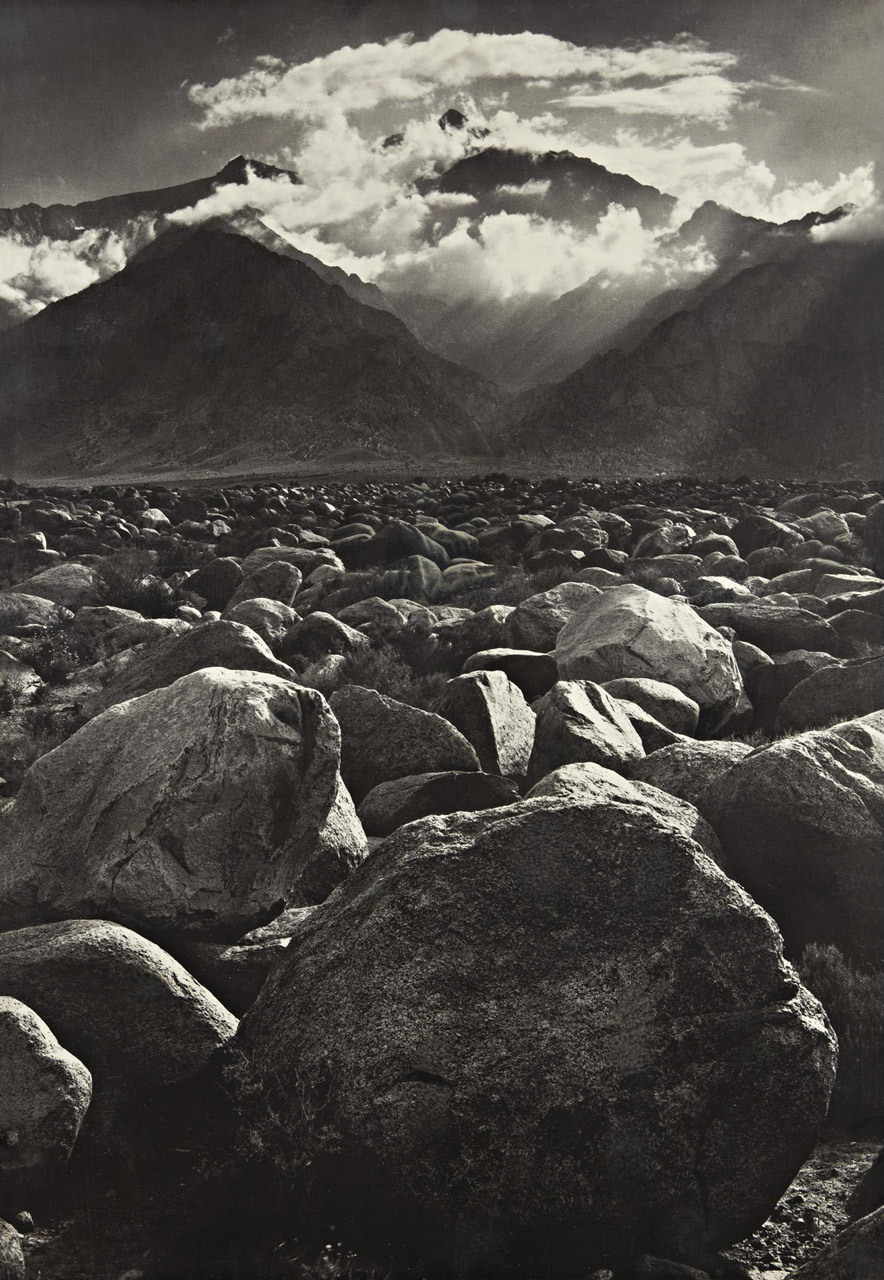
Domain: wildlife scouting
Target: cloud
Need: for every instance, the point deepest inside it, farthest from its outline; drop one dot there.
(533, 190)
(31, 276)
(406, 70)
(711, 98)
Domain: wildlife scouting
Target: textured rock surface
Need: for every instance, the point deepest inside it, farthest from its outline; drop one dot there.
(536, 622)
(194, 808)
(801, 823)
(129, 1011)
(390, 805)
(216, 644)
(856, 1253)
(19, 611)
(534, 673)
(382, 739)
(578, 721)
(44, 1094)
(832, 693)
(582, 1042)
(633, 632)
(492, 714)
(686, 769)
(663, 701)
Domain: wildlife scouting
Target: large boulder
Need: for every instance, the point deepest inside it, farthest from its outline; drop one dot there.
(801, 823)
(44, 1095)
(390, 805)
(69, 584)
(535, 623)
(833, 693)
(382, 739)
(129, 1011)
(534, 673)
(630, 632)
(578, 721)
(215, 644)
(216, 581)
(662, 701)
(687, 769)
(21, 614)
(537, 1039)
(774, 627)
(195, 808)
(276, 580)
(492, 714)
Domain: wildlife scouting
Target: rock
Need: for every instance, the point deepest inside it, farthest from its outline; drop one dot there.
(12, 1258)
(859, 632)
(217, 581)
(775, 628)
(129, 1012)
(21, 613)
(19, 681)
(390, 805)
(583, 1043)
(654, 735)
(856, 1253)
(754, 532)
(417, 578)
(839, 692)
(194, 808)
(269, 619)
(304, 558)
(493, 716)
(216, 644)
(340, 847)
(663, 701)
(319, 635)
(382, 739)
(534, 673)
(578, 721)
(44, 1095)
(535, 623)
(632, 632)
(233, 974)
(593, 784)
(716, 590)
(688, 768)
(276, 580)
(767, 685)
(801, 823)
(69, 584)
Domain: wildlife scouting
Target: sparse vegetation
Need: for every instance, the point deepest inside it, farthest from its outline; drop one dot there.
(129, 580)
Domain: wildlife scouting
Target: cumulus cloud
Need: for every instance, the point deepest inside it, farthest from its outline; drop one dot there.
(711, 98)
(404, 69)
(33, 275)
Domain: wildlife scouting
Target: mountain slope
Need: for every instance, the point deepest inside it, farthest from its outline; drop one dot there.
(33, 222)
(781, 367)
(220, 349)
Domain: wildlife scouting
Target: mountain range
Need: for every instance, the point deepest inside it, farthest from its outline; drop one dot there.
(226, 343)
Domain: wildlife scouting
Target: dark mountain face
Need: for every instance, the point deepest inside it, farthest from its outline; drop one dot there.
(32, 223)
(572, 188)
(219, 349)
(780, 368)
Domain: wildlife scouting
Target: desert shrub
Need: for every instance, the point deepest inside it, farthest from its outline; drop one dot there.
(56, 655)
(387, 671)
(854, 1001)
(512, 585)
(173, 555)
(127, 580)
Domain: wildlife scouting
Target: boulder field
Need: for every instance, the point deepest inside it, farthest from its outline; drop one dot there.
(430, 866)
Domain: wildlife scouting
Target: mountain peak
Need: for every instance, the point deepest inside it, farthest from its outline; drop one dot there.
(237, 170)
(452, 119)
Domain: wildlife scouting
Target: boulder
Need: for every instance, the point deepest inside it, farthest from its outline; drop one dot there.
(663, 701)
(535, 623)
(69, 584)
(593, 784)
(390, 805)
(632, 632)
(654, 735)
(215, 644)
(195, 808)
(801, 823)
(686, 769)
(840, 692)
(276, 580)
(534, 673)
(44, 1095)
(578, 721)
(775, 628)
(269, 619)
(319, 635)
(536, 1039)
(382, 739)
(492, 714)
(20, 614)
(216, 581)
(304, 558)
(767, 685)
(340, 847)
(12, 1258)
(129, 1012)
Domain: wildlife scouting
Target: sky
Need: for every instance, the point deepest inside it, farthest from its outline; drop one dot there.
(773, 107)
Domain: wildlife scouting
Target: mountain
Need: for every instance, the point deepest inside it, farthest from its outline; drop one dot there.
(779, 369)
(32, 222)
(210, 348)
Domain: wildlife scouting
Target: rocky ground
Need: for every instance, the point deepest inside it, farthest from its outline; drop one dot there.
(419, 878)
